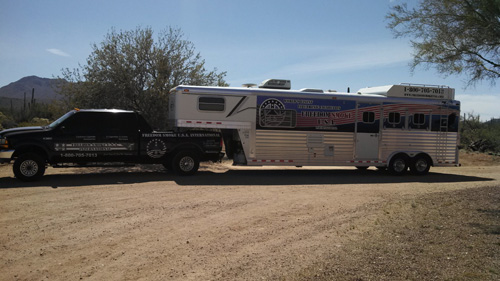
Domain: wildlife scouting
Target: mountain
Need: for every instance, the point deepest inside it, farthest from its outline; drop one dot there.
(45, 89)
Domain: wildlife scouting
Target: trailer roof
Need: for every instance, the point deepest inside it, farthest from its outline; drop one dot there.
(403, 91)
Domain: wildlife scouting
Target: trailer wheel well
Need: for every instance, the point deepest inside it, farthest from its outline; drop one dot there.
(398, 154)
(423, 154)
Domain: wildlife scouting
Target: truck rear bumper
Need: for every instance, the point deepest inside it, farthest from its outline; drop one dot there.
(6, 156)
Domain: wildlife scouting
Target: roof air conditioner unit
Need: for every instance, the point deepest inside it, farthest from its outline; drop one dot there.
(276, 84)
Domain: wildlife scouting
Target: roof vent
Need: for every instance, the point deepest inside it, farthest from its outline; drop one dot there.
(311, 90)
(276, 84)
(248, 85)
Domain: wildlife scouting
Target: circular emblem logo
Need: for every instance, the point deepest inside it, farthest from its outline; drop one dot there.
(271, 113)
(156, 148)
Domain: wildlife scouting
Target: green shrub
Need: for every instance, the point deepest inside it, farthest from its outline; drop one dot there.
(479, 136)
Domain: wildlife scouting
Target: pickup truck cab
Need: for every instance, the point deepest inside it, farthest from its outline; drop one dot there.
(103, 137)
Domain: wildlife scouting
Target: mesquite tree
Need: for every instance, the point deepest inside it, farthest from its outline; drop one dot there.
(130, 70)
(454, 36)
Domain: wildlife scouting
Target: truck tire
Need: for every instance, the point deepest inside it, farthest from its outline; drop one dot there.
(420, 165)
(29, 167)
(185, 163)
(399, 164)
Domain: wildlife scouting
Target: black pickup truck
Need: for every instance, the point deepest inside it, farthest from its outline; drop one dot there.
(102, 137)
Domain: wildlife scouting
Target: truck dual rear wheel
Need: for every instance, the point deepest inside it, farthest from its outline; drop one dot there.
(29, 167)
(185, 163)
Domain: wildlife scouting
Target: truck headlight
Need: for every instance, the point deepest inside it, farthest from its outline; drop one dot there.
(4, 143)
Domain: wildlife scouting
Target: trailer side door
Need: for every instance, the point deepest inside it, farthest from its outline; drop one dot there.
(367, 130)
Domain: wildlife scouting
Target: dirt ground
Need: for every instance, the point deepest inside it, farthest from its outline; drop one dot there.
(242, 223)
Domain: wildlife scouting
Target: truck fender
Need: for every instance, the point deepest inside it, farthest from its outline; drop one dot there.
(193, 147)
(31, 147)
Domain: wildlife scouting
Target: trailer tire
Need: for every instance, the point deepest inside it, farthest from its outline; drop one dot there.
(185, 163)
(29, 167)
(420, 165)
(399, 164)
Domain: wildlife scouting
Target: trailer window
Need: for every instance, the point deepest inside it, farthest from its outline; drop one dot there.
(368, 117)
(394, 118)
(211, 104)
(418, 119)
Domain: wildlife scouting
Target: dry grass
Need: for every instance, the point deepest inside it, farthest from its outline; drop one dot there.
(443, 236)
(468, 158)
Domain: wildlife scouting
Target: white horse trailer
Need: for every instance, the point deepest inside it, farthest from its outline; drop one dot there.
(395, 127)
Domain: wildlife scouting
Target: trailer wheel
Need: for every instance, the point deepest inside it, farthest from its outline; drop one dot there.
(185, 163)
(29, 167)
(399, 164)
(420, 165)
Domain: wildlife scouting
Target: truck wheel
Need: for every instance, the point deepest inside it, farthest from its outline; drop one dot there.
(185, 163)
(420, 165)
(398, 165)
(29, 167)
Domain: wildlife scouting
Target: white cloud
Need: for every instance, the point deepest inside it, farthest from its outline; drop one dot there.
(58, 52)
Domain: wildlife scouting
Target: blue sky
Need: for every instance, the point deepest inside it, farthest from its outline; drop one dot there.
(315, 43)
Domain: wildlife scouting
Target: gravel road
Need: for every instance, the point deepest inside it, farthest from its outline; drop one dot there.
(225, 223)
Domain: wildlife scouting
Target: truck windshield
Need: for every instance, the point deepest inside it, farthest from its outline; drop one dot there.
(62, 118)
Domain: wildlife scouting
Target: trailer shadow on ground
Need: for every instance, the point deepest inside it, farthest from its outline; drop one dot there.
(316, 177)
(235, 178)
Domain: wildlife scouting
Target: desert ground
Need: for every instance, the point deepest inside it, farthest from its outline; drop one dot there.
(252, 223)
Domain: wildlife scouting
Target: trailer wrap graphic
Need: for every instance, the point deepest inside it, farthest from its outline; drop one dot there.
(305, 114)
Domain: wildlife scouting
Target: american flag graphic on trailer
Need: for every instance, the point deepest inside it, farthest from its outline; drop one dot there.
(333, 114)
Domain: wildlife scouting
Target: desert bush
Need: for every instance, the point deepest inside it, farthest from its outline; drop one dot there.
(479, 136)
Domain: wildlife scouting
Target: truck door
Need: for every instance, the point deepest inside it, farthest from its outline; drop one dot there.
(73, 140)
(367, 130)
(96, 137)
(119, 136)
